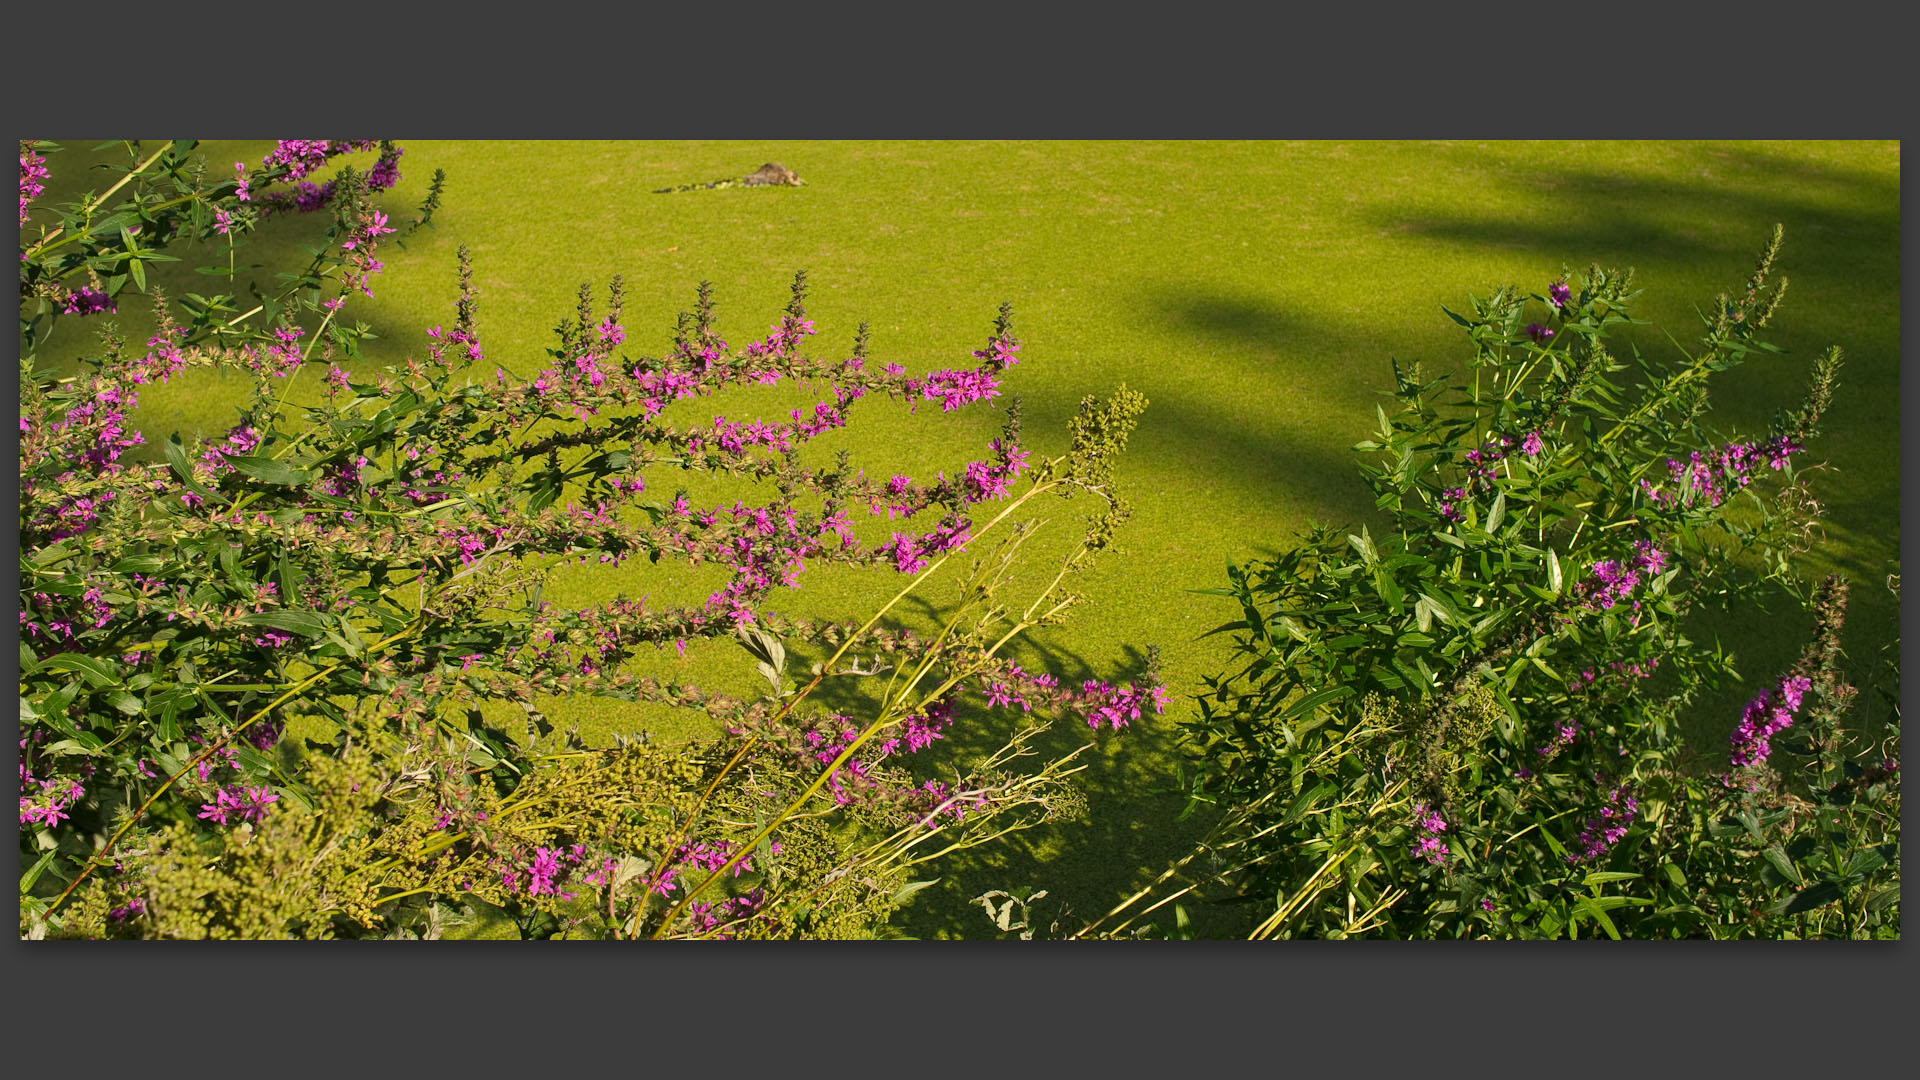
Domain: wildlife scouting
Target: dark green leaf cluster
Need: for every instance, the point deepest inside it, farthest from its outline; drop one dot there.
(1467, 721)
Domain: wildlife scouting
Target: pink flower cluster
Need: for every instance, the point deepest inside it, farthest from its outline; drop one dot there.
(783, 339)
(920, 731)
(1480, 464)
(33, 169)
(283, 356)
(100, 424)
(1114, 706)
(468, 343)
(1000, 350)
(1428, 844)
(711, 917)
(956, 389)
(994, 481)
(548, 865)
(1012, 690)
(421, 472)
(238, 804)
(1636, 669)
(1764, 717)
(164, 359)
(1607, 828)
(1099, 702)
(1714, 478)
(911, 554)
(302, 157)
(1563, 737)
(89, 302)
(359, 245)
(240, 441)
(49, 805)
(343, 479)
(1613, 581)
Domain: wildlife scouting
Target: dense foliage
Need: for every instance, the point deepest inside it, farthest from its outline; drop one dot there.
(1472, 722)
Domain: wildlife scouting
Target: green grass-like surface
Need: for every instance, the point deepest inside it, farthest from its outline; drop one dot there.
(1252, 291)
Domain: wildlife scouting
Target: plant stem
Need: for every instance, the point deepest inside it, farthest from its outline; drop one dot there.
(101, 201)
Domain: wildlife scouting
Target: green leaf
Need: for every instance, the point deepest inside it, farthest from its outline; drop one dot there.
(911, 887)
(53, 708)
(1306, 800)
(1599, 915)
(1498, 513)
(1441, 607)
(52, 554)
(311, 624)
(1818, 896)
(27, 879)
(1554, 578)
(139, 564)
(125, 702)
(1314, 701)
(1601, 877)
(290, 578)
(98, 673)
(1388, 589)
(1864, 862)
(268, 471)
(1784, 865)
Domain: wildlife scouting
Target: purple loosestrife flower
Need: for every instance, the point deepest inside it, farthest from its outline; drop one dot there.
(545, 865)
(1713, 478)
(239, 804)
(130, 910)
(955, 389)
(1428, 844)
(1558, 294)
(33, 169)
(1538, 334)
(89, 302)
(1116, 706)
(1764, 717)
(49, 806)
(386, 170)
(1531, 445)
(906, 553)
(1607, 828)
(1613, 582)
